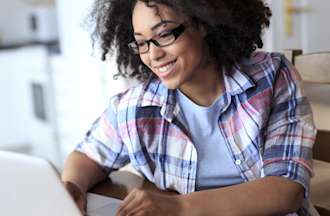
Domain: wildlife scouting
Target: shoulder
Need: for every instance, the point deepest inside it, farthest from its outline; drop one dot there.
(268, 65)
(148, 93)
(127, 98)
(265, 61)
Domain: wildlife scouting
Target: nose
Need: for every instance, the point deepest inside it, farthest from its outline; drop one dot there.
(155, 52)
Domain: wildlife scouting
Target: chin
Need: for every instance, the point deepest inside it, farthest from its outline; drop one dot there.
(171, 85)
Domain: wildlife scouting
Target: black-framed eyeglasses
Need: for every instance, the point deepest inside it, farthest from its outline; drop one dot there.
(163, 39)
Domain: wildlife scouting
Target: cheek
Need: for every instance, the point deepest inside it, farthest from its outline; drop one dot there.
(192, 54)
(189, 52)
(144, 58)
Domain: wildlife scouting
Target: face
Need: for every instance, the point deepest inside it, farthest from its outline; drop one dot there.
(178, 64)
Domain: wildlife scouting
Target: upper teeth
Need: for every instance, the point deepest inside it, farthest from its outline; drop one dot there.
(166, 67)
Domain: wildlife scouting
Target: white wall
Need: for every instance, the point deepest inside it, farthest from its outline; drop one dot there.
(315, 26)
(75, 41)
(268, 34)
(15, 21)
(77, 84)
(15, 101)
(79, 97)
(19, 126)
(83, 82)
(14, 25)
(310, 31)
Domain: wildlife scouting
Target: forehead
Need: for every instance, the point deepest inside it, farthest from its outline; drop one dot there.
(145, 16)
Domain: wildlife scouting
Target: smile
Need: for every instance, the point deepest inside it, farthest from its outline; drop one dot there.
(166, 69)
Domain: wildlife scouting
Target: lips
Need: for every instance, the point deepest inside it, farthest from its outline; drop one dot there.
(165, 69)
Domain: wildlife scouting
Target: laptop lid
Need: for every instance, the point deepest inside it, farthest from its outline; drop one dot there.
(31, 186)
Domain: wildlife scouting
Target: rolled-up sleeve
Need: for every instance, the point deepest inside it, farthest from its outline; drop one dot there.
(102, 142)
(290, 134)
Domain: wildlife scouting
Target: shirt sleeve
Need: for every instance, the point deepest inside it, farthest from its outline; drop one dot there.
(103, 143)
(290, 133)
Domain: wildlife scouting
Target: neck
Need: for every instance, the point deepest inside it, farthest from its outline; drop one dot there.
(205, 88)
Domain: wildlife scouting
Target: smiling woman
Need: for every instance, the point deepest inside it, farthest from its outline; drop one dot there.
(174, 66)
(212, 117)
(229, 36)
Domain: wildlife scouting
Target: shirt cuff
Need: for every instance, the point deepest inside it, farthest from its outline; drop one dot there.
(292, 170)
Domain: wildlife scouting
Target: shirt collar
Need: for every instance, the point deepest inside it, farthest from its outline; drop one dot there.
(154, 93)
(236, 81)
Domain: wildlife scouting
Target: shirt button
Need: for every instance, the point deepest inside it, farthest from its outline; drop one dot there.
(238, 162)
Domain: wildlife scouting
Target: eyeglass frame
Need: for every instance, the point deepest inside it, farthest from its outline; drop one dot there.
(176, 32)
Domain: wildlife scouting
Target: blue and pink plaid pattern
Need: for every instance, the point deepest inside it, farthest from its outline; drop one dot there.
(267, 123)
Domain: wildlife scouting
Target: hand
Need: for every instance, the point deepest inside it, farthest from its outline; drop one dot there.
(142, 203)
(78, 196)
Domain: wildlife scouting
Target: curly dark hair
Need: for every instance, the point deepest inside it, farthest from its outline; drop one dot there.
(234, 29)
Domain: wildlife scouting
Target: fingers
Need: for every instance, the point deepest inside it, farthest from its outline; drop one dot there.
(133, 203)
(128, 201)
(141, 209)
(133, 206)
(143, 213)
(144, 203)
(129, 198)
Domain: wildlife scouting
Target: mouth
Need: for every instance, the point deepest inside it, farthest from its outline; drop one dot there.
(166, 69)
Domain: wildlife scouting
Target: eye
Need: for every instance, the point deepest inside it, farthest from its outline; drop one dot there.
(141, 43)
(165, 34)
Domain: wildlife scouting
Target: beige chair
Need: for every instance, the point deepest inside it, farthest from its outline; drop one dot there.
(315, 71)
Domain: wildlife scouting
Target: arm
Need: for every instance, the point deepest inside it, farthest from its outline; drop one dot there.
(287, 155)
(266, 196)
(286, 159)
(82, 171)
(100, 152)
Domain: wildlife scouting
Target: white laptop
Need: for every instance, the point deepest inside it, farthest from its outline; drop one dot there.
(30, 186)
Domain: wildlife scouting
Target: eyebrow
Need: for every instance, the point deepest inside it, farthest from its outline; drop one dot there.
(153, 28)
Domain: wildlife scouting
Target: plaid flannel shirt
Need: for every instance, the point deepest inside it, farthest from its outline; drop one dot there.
(267, 123)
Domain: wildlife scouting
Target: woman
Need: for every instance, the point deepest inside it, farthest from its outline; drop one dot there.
(212, 118)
